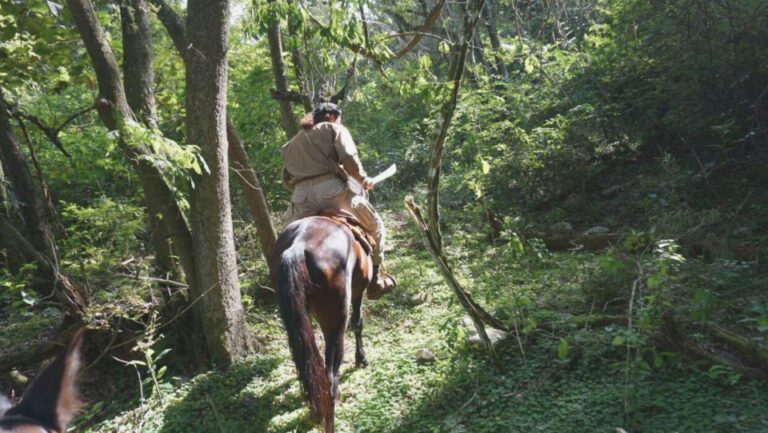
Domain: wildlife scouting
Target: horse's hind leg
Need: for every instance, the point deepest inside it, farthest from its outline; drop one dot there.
(357, 324)
(334, 354)
(333, 321)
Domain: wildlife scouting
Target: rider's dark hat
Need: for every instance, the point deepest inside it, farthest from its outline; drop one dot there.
(326, 108)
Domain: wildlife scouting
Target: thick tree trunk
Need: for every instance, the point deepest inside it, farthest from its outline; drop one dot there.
(138, 79)
(206, 88)
(137, 61)
(113, 109)
(287, 118)
(239, 162)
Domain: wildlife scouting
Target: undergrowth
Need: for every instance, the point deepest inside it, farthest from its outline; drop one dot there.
(567, 378)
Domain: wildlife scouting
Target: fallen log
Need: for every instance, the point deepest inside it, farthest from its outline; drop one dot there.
(751, 351)
(568, 241)
(671, 338)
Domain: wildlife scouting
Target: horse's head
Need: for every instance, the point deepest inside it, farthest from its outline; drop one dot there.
(50, 402)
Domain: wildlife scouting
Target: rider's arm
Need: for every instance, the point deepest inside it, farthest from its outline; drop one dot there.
(347, 151)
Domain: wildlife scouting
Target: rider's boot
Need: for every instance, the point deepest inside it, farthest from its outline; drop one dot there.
(381, 284)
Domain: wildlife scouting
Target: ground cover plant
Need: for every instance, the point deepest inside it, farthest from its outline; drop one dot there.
(585, 387)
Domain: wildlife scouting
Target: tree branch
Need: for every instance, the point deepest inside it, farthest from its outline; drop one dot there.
(342, 94)
(51, 133)
(289, 95)
(364, 51)
(174, 24)
(430, 228)
(428, 23)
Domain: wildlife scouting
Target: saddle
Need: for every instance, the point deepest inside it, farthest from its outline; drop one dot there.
(348, 219)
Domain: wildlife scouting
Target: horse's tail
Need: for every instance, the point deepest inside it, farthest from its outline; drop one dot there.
(293, 282)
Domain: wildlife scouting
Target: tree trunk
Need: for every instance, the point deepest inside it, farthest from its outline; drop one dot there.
(72, 297)
(254, 195)
(490, 24)
(206, 92)
(42, 248)
(137, 61)
(32, 208)
(478, 52)
(287, 118)
(113, 109)
(249, 183)
(298, 68)
(139, 88)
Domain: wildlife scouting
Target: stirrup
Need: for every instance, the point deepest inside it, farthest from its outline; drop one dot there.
(383, 283)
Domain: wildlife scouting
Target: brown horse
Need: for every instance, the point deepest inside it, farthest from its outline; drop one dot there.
(320, 267)
(50, 402)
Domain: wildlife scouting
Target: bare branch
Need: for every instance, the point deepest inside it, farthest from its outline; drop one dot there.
(428, 23)
(341, 96)
(289, 95)
(51, 133)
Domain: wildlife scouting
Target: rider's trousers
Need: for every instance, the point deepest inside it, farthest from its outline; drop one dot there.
(313, 195)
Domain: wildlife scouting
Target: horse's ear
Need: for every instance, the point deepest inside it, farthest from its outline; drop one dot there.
(52, 399)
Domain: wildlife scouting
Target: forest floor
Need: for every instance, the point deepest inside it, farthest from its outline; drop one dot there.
(566, 379)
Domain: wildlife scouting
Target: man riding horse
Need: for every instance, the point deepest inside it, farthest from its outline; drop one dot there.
(322, 169)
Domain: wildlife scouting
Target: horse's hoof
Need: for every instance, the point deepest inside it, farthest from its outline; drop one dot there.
(361, 362)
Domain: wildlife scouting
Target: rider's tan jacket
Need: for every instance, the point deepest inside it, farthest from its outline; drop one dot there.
(320, 151)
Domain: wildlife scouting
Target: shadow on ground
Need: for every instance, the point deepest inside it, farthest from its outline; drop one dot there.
(243, 399)
(545, 394)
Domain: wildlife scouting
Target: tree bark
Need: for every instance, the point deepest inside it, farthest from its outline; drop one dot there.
(490, 24)
(138, 81)
(287, 118)
(206, 92)
(138, 73)
(299, 70)
(238, 155)
(32, 208)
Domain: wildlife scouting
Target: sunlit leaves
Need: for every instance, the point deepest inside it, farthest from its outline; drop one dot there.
(176, 162)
